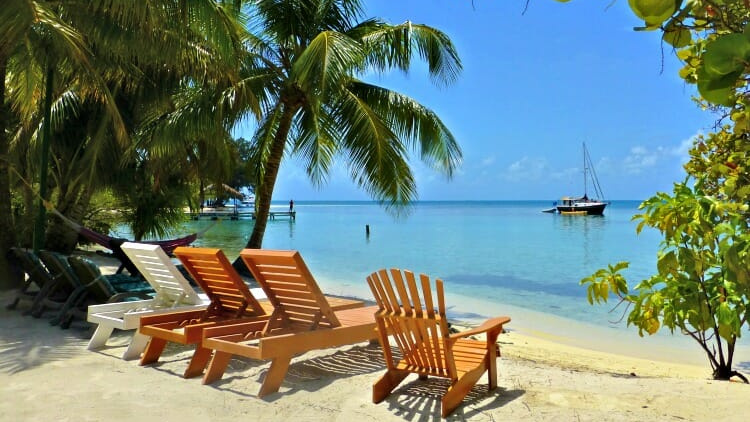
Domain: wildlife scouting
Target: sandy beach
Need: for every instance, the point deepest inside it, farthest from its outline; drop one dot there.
(47, 374)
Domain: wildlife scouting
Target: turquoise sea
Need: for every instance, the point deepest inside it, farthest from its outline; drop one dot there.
(496, 257)
(504, 251)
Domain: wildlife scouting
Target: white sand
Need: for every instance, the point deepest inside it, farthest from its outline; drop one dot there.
(46, 374)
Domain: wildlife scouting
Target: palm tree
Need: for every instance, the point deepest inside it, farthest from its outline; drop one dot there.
(31, 36)
(309, 56)
(95, 48)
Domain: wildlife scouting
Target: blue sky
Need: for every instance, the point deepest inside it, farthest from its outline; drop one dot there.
(534, 87)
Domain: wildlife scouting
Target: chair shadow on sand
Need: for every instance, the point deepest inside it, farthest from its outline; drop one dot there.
(420, 400)
(416, 400)
(303, 375)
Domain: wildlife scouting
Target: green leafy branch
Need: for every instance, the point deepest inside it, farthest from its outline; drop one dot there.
(702, 284)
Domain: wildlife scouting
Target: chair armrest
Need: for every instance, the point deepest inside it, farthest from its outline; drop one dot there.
(492, 325)
(119, 297)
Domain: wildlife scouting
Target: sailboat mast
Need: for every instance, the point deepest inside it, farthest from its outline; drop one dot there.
(585, 168)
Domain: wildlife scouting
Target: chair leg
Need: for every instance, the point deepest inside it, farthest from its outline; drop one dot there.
(100, 337)
(136, 346)
(456, 393)
(13, 304)
(492, 366)
(198, 362)
(66, 321)
(275, 375)
(77, 297)
(153, 350)
(390, 380)
(217, 367)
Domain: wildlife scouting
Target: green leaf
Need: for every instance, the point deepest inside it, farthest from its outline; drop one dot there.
(726, 54)
(678, 38)
(727, 319)
(717, 90)
(620, 266)
(654, 12)
(667, 263)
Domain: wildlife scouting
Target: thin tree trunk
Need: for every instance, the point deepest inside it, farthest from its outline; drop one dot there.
(41, 219)
(10, 276)
(265, 193)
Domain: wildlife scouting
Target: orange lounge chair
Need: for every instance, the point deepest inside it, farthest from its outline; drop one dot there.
(427, 347)
(230, 302)
(302, 320)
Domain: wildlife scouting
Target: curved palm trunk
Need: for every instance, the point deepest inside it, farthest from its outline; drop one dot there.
(265, 192)
(9, 275)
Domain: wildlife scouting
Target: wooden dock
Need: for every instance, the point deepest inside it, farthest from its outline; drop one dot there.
(236, 214)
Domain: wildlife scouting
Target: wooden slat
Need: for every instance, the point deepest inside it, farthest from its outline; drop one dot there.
(434, 333)
(215, 274)
(413, 333)
(282, 275)
(291, 278)
(276, 286)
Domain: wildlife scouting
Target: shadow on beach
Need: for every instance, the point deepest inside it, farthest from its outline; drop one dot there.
(413, 400)
(420, 400)
(27, 342)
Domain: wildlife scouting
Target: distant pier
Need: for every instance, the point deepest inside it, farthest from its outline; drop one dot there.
(236, 214)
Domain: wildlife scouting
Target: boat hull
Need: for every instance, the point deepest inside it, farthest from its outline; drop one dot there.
(582, 209)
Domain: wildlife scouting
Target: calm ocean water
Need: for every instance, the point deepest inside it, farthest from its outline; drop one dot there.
(499, 252)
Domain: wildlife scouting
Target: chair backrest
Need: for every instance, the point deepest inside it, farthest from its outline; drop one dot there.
(213, 272)
(32, 266)
(419, 329)
(58, 266)
(290, 287)
(172, 289)
(88, 273)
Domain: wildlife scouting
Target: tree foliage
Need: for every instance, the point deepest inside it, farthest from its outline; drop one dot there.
(138, 85)
(702, 283)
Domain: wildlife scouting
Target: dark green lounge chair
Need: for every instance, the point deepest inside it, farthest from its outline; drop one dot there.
(97, 288)
(65, 280)
(38, 279)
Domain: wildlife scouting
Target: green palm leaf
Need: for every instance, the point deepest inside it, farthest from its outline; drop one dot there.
(413, 123)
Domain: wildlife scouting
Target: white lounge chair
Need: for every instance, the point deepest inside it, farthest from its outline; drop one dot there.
(173, 292)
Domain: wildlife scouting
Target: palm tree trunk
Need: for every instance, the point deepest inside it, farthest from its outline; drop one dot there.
(265, 192)
(10, 277)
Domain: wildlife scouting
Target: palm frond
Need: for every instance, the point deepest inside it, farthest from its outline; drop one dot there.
(393, 46)
(328, 59)
(315, 142)
(376, 157)
(414, 124)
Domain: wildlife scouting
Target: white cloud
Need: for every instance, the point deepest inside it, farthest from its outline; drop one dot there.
(684, 147)
(488, 161)
(526, 169)
(566, 174)
(641, 159)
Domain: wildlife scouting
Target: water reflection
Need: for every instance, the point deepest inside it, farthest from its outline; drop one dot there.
(291, 228)
(584, 232)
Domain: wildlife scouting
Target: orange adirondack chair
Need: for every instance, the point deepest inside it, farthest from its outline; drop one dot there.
(230, 302)
(427, 347)
(302, 320)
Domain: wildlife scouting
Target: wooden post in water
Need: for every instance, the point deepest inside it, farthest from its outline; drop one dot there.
(367, 230)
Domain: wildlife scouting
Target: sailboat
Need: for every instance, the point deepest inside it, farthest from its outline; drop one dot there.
(584, 205)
